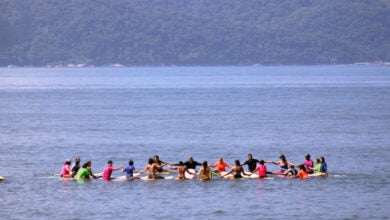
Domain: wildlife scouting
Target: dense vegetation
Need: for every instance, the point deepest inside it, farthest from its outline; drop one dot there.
(186, 32)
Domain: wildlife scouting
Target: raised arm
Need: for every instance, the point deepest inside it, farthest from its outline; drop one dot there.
(186, 170)
(289, 163)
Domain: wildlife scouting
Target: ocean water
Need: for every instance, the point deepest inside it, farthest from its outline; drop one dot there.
(100, 114)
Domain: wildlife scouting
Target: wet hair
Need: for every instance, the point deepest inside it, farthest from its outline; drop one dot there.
(302, 167)
(237, 162)
(151, 161)
(250, 155)
(318, 160)
(261, 162)
(85, 165)
(89, 163)
(180, 163)
(109, 162)
(204, 164)
(156, 159)
(322, 159)
(283, 158)
(131, 162)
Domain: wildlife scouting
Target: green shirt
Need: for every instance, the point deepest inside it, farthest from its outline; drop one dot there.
(317, 168)
(83, 173)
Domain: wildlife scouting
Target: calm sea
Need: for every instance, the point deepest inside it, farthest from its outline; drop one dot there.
(101, 114)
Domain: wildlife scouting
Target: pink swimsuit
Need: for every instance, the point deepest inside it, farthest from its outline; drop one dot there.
(65, 170)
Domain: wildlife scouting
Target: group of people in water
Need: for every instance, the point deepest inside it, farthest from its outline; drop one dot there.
(154, 169)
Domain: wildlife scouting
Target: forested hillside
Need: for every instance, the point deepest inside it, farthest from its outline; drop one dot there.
(193, 32)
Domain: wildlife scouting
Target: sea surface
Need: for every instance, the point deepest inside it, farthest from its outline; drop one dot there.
(48, 115)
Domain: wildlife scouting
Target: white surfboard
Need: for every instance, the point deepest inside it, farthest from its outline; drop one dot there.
(190, 176)
(165, 178)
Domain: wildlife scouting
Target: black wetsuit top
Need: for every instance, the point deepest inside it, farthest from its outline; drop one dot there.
(251, 164)
(191, 165)
(75, 169)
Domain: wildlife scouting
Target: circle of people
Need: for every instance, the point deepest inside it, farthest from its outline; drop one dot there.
(154, 169)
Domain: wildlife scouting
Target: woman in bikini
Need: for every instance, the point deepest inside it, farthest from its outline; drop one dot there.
(236, 170)
(205, 172)
(283, 164)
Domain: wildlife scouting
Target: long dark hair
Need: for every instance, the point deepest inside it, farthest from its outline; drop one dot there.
(204, 164)
(283, 158)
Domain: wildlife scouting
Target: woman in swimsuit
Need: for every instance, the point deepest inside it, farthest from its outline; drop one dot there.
(160, 163)
(181, 169)
(151, 169)
(205, 172)
(237, 170)
(283, 163)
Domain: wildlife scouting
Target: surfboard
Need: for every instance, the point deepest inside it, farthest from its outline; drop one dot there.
(146, 178)
(123, 177)
(318, 175)
(227, 176)
(164, 172)
(252, 176)
(214, 173)
(190, 176)
(98, 175)
(119, 178)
